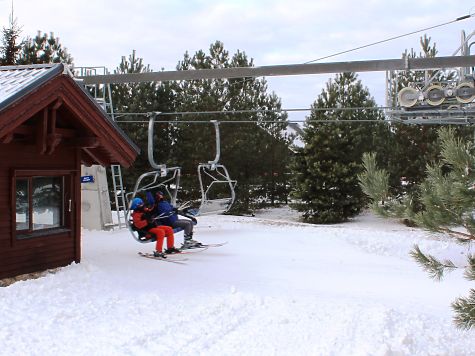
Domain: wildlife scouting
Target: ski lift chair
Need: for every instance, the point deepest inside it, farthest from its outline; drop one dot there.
(144, 236)
(163, 178)
(219, 176)
(153, 181)
(212, 176)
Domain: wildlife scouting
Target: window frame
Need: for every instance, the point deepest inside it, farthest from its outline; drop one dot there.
(66, 225)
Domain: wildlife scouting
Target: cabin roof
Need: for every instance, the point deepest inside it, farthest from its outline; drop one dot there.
(18, 83)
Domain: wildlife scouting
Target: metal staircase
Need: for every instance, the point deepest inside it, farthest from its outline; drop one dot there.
(119, 195)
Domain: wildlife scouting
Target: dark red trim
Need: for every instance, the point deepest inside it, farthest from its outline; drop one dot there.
(62, 91)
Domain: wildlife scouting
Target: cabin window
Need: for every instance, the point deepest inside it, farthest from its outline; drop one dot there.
(40, 204)
(22, 205)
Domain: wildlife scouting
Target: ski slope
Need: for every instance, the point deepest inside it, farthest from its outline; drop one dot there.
(279, 287)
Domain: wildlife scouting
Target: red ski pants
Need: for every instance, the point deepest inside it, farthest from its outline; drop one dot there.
(161, 232)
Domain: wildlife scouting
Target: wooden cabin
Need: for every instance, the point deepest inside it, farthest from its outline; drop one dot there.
(49, 126)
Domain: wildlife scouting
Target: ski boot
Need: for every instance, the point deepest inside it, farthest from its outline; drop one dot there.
(172, 250)
(190, 243)
(159, 254)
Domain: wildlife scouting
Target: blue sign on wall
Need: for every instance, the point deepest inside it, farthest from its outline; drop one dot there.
(87, 179)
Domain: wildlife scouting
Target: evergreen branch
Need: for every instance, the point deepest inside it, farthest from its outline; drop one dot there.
(430, 264)
(470, 224)
(467, 226)
(454, 214)
(465, 311)
(457, 234)
(470, 268)
(374, 183)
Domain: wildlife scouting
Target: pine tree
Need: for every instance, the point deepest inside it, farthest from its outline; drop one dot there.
(43, 48)
(447, 193)
(447, 198)
(326, 168)
(10, 43)
(248, 150)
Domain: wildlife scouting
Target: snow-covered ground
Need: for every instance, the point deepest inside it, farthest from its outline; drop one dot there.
(279, 287)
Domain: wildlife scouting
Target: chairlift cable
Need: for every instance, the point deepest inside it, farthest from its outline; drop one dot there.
(252, 121)
(392, 38)
(250, 111)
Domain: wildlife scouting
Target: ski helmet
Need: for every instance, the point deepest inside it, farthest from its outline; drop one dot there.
(136, 202)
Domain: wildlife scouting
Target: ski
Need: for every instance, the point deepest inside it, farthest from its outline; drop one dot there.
(192, 250)
(203, 247)
(215, 245)
(172, 260)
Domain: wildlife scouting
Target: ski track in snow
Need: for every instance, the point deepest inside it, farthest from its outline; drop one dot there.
(275, 289)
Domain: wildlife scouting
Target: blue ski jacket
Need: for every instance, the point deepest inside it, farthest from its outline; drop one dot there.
(165, 208)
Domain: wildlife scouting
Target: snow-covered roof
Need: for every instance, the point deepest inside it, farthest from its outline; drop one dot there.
(15, 81)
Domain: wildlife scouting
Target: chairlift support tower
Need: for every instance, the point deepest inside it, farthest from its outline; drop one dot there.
(465, 60)
(286, 70)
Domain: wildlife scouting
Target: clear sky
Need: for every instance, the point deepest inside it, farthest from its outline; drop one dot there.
(100, 32)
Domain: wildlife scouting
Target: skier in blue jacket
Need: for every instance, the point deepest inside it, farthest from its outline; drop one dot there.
(163, 207)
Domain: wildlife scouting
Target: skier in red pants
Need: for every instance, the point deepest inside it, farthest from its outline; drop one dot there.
(142, 222)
